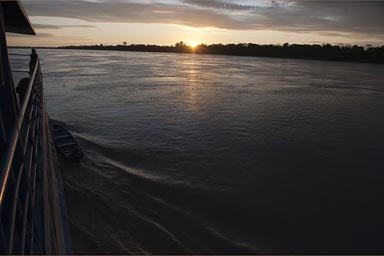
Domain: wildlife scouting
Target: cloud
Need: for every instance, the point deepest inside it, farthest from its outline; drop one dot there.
(47, 26)
(38, 35)
(220, 4)
(359, 19)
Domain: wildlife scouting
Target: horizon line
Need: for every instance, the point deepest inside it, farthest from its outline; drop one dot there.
(186, 44)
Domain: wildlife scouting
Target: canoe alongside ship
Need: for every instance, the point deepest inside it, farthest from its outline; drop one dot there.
(66, 143)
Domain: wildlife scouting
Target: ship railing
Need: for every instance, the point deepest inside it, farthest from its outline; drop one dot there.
(19, 170)
(30, 220)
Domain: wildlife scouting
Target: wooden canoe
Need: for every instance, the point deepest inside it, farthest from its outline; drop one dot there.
(66, 143)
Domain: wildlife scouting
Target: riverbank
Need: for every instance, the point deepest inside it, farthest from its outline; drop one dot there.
(294, 51)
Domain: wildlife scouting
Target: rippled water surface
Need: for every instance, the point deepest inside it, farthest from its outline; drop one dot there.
(218, 154)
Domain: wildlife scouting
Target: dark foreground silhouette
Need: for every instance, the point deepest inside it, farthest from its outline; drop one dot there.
(316, 52)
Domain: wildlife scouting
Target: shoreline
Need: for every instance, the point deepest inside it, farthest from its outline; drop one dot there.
(354, 54)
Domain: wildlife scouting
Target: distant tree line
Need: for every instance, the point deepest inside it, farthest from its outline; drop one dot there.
(301, 51)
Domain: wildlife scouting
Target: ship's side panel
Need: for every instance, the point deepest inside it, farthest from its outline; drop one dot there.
(32, 217)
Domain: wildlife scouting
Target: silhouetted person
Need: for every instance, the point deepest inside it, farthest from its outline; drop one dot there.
(33, 61)
(21, 89)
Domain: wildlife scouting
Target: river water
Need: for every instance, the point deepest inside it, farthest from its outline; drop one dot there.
(220, 154)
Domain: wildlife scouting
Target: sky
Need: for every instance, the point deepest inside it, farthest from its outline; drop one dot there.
(165, 22)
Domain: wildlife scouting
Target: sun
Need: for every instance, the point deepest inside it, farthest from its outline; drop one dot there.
(193, 44)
